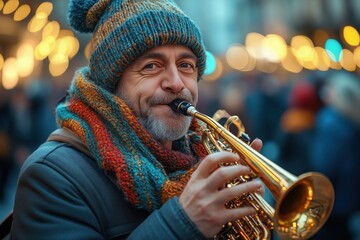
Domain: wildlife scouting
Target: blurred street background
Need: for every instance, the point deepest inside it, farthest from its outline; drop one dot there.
(288, 68)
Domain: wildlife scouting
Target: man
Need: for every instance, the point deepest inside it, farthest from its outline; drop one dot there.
(124, 165)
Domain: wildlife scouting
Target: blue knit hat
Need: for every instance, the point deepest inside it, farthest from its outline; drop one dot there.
(124, 29)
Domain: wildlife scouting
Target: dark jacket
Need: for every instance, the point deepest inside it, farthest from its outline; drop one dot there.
(63, 194)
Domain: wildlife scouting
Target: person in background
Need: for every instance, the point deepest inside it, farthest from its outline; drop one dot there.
(297, 123)
(16, 135)
(123, 164)
(336, 150)
(5, 143)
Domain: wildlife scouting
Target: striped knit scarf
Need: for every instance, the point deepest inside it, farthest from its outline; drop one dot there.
(147, 172)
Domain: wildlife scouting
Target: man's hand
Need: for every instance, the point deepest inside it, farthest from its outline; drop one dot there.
(205, 195)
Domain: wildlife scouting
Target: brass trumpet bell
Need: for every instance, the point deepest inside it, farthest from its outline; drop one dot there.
(302, 205)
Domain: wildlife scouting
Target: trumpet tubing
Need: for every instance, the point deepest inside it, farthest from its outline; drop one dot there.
(303, 203)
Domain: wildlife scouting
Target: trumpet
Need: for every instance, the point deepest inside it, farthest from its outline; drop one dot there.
(302, 204)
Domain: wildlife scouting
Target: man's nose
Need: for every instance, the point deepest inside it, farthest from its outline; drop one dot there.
(172, 80)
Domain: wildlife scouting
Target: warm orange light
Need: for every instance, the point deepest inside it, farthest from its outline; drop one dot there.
(58, 65)
(237, 57)
(303, 49)
(323, 60)
(22, 12)
(25, 60)
(1, 61)
(301, 41)
(37, 23)
(51, 29)
(266, 66)
(347, 60)
(290, 62)
(44, 9)
(87, 50)
(10, 76)
(1, 4)
(351, 36)
(10, 6)
(274, 48)
(43, 49)
(357, 56)
(253, 43)
(305, 53)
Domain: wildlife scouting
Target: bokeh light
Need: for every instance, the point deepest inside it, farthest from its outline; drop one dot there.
(347, 60)
(253, 43)
(357, 56)
(10, 6)
(44, 10)
(25, 60)
(274, 48)
(334, 49)
(323, 60)
(217, 73)
(22, 12)
(210, 63)
(10, 77)
(290, 62)
(237, 57)
(1, 61)
(351, 35)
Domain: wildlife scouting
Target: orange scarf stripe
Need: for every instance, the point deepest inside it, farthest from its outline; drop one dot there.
(76, 125)
(113, 158)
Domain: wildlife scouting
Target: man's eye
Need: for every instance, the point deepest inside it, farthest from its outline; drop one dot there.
(150, 66)
(187, 65)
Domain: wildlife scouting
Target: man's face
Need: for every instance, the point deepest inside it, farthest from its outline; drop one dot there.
(159, 76)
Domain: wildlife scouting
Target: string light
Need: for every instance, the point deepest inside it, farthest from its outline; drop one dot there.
(351, 36)
(56, 44)
(259, 52)
(334, 49)
(10, 6)
(1, 4)
(210, 63)
(1, 61)
(22, 12)
(10, 77)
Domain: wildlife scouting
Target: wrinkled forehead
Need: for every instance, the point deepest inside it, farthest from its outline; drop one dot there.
(162, 51)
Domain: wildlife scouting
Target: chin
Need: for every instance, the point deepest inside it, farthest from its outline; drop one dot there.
(170, 128)
(165, 124)
(174, 121)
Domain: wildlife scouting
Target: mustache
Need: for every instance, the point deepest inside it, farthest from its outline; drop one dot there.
(168, 98)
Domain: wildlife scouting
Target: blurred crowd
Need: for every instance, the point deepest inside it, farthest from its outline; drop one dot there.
(311, 124)
(26, 119)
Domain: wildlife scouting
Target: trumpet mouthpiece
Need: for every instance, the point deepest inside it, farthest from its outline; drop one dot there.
(180, 106)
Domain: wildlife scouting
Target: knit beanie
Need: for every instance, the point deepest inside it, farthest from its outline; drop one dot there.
(124, 29)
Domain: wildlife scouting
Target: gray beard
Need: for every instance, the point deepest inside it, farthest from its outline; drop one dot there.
(161, 129)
